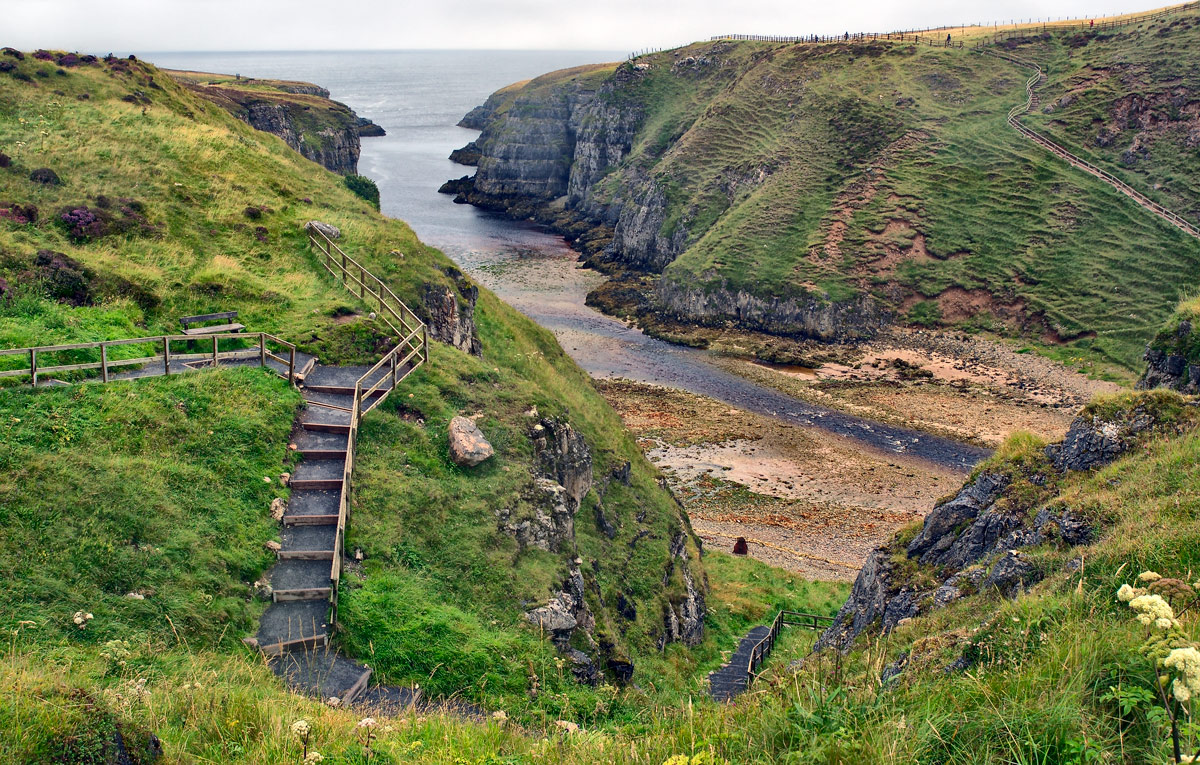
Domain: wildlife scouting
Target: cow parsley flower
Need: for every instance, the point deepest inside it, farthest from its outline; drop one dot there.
(1127, 593)
(1151, 608)
(300, 728)
(314, 757)
(366, 722)
(1186, 662)
(1149, 576)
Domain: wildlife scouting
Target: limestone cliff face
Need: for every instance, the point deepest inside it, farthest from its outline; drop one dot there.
(811, 316)
(336, 147)
(561, 153)
(302, 114)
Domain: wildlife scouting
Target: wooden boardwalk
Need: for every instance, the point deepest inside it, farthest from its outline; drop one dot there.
(735, 676)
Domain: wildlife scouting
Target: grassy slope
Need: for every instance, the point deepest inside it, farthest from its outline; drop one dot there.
(904, 154)
(1044, 663)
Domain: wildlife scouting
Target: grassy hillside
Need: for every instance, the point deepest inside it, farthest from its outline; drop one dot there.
(167, 206)
(828, 172)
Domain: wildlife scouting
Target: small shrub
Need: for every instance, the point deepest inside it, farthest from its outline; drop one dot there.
(252, 212)
(43, 55)
(65, 278)
(46, 176)
(17, 213)
(363, 187)
(5, 160)
(7, 66)
(18, 55)
(84, 223)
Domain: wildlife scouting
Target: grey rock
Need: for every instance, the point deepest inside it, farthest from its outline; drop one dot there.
(563, 455)
(869, 597)
(1092, 442)
(683, 616)
(939, 533)
(545, 520)
(450, 312)
(555, 619)
(328, 229)
(893, 670)
(468, 447)
(1011, 573)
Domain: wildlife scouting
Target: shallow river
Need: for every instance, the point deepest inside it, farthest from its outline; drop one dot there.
(418, 96)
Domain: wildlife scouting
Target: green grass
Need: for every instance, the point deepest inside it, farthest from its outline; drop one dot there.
(151, 487)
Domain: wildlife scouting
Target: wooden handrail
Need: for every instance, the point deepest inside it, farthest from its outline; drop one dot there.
(36, 369)
(762, 649)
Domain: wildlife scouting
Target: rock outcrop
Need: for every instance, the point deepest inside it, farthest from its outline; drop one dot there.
(450, 312)
(563, 456)
(814, 316)
(545, 520)
(973, 541)
(302, 114)
(1169, 363)
(683, 617)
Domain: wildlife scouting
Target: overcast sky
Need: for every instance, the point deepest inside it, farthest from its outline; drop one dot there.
(100, 26)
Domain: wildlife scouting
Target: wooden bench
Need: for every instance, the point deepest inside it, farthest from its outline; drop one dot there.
(227, 316)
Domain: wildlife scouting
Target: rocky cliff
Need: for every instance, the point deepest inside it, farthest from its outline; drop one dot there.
(302, 114)
(981, 539)
(586, 628)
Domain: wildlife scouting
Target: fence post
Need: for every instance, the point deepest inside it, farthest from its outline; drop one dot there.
(103, 362)
(262, 349)
(166, 357)
(32, 368)
(362, 283)
(214, 351)
(292, 366)
(393, 371)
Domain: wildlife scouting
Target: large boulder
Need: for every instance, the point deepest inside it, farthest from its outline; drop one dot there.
(468, 447)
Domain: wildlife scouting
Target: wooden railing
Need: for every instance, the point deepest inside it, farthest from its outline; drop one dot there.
(361, 282)
(37, 366)
(1014, 115)
(762, 649)
(374, 386)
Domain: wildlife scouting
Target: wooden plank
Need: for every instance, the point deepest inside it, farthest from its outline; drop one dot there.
(186, 320)
(310, 520)
(282, 647)
(359, 686)
(315, 483)
(323, 454)
(215, 330)
(325, 427)
(128, 362)
(306, 555)
(69, 367)
(14, 372)
(291, 596)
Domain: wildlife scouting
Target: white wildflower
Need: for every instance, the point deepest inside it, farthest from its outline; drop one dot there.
(1165, 624)
(500, 716)
(1186, 662)
(314, 757)
(300, 728)
(81, 619)
(1151, 608)
(366, 722)
(1127, 593)
(1149, 576)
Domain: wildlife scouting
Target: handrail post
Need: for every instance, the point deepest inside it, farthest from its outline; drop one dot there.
(262, 349)
(166, 357)
(214, 337)
(103, 362)
(393, 370)
(292, 366)
(32, 368)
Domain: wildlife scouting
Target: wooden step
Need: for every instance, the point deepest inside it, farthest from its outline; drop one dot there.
(305, 554)
(315, 483)
(359, 686)
(310, 520)
(325, 427)
(312, 593)
(278, 649)
(323, 454)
